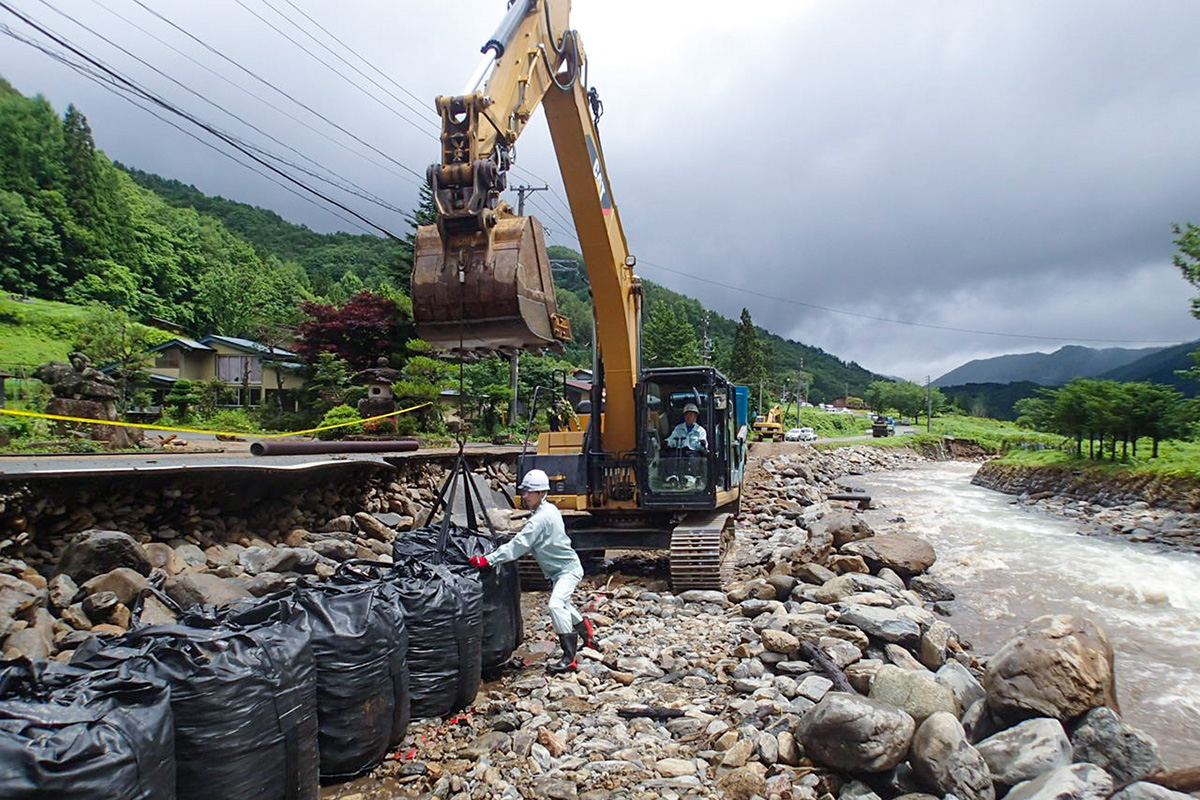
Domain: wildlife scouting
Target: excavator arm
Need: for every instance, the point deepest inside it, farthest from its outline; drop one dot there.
(482, 282)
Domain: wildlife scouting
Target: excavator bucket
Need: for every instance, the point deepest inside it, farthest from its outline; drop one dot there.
(479, 293)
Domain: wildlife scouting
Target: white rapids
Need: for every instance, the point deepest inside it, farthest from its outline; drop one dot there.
(1008, 564)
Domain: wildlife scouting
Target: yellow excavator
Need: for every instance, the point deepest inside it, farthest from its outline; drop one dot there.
(482, 285)
(769, 425)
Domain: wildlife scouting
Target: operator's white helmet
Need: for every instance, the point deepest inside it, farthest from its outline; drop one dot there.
(691, 407)
(535, 481)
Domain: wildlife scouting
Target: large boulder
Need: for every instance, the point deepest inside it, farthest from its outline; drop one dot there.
(1143, 790)
(1056, 666)
(95, 552)
(943, 758)
(916, 692)
(908, 555)
(1076, 782)
(958, 679)
(1026, 750)
(852, 733)
(844, 527)
(1104, 739)
(126, 583)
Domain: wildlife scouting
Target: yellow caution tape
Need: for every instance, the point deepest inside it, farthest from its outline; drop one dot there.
(89, 421)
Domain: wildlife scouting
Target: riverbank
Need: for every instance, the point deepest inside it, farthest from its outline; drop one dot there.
(1138, 506)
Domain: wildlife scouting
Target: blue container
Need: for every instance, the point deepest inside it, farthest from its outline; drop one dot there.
(741, 395)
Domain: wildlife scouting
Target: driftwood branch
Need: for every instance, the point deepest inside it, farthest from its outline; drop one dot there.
(653, 712)
(831, 670)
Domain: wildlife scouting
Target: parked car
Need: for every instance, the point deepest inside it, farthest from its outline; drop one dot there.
(800, 435)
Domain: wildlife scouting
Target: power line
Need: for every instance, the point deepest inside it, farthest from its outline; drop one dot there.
(329, 178)
(326, 64)
(107, 84)
(275, 88)
(257, 97)
(166, 106)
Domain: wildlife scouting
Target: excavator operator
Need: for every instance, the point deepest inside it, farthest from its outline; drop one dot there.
(689, 434)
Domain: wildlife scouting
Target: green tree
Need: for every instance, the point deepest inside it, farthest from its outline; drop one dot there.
(112, 339)
(422, 380)
(182, 397)
(747, 363)
(667, 339)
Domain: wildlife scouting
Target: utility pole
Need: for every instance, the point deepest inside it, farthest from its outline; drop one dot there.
(515, 360)
(521, 192)
(928, 406)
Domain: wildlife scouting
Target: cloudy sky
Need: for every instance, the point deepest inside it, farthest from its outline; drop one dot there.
(909, 185)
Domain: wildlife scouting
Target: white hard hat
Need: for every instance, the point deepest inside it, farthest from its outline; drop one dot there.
(691, 407)
(535, 481)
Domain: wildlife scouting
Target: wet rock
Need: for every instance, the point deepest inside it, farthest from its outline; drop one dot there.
(1104, 739)
(124, 582)
(1026, 750)
(904, 553)
(1076, 782)
(844, 527)
(1056, 666)
(942, 756)
(917, 693)
(95, 552)
(929, 588)
(934, 643)
(848, 732)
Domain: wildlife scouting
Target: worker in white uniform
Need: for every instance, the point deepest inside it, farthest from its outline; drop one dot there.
(545, 536)
(689, 434)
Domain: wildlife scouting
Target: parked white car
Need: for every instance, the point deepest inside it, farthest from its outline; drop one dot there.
(800, 435)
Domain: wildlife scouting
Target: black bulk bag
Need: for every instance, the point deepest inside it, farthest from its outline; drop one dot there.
(453, 545)
(88, 735)
(243, 690)
(360, 644)
(442, 615)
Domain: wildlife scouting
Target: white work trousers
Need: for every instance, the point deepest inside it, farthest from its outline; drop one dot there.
(563, 615)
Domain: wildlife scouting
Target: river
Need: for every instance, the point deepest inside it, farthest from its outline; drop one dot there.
(1008, 564)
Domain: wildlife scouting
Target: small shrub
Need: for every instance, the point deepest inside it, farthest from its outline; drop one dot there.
(381, 427)
(336, 416)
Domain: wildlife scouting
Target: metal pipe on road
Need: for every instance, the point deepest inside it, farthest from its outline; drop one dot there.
(297, 448)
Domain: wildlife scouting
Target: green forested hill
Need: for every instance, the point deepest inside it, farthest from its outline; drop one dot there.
(75, 228)
(326, 257)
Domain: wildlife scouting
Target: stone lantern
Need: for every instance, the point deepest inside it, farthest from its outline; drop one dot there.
(378, 380)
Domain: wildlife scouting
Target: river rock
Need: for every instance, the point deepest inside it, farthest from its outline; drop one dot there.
(95, 552)
(813, 573)
(1104, 739)
(61, 591)
(930, 588)
(277, 559)
(935, 641)
(265, 583)
(1056, 666)
(744, 783)
(1076, 782)
(192, 555)
(200, 588)
(124, 582)
(17, 597)
(881, 623)
(960, 680)
(942, 756)
(164, 557)
(917, 692)
(34, 642)
(1144, 790)
(906, 554)
(704, 596)
(99, 606)
(372, 528)
(844, 527)
(780, 641)
(1026, 750)
(856, 734)
(841, 587)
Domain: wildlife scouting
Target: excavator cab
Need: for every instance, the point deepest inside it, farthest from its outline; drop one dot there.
(682, 467)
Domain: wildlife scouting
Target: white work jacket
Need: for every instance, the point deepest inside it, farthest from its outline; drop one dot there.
(545, 536)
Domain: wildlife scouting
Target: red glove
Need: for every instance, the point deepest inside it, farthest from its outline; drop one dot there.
(478, 561)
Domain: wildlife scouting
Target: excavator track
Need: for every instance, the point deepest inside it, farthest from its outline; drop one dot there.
(699, 546)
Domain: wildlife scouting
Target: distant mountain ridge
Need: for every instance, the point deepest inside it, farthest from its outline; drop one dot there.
(1047, 369)
(1160, 367)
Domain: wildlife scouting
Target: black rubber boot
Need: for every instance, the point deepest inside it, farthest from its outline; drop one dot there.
(587, 634)
(570, 643)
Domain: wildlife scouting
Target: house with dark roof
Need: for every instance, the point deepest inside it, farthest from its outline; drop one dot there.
(253, 372)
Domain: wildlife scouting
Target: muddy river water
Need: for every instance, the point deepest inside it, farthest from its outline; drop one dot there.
(1008, 564)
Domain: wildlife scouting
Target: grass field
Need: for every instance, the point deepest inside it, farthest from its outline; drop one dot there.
(1177, 459)
(35, 331)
